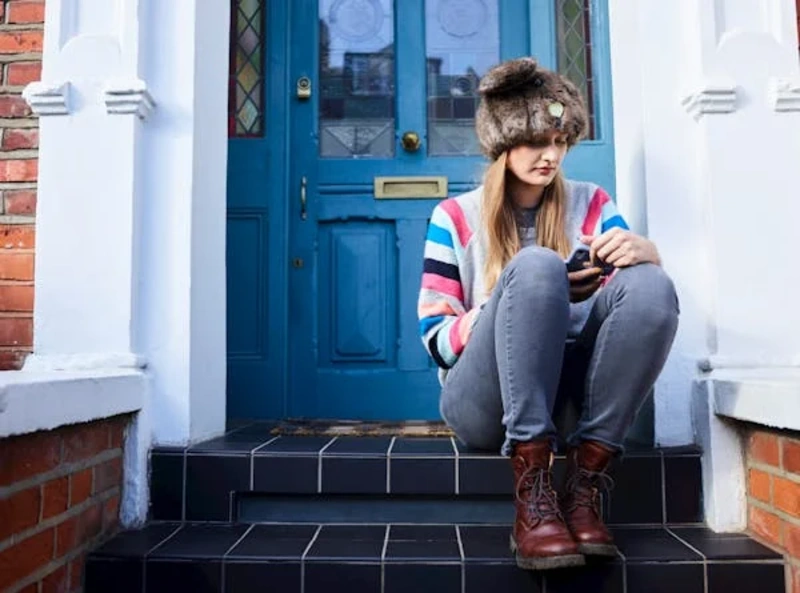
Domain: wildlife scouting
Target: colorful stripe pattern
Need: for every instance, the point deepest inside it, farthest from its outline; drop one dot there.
(447, 308)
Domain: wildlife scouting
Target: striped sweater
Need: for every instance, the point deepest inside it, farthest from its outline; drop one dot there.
(455, 251)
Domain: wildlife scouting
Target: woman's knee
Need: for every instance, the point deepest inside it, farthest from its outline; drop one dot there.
(539, 265)
(649, 288)
(475, 428)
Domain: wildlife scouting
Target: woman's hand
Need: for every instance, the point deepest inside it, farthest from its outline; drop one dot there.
(584, 283)
(621, 248)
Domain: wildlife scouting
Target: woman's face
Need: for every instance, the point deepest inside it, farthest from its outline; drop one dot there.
(537, 163)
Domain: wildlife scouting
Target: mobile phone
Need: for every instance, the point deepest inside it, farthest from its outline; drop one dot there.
(580, 257)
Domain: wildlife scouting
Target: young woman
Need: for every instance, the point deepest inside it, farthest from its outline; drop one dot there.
(507, 323)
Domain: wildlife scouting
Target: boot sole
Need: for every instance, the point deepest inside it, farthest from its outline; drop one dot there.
(546, 562)
(609, 550)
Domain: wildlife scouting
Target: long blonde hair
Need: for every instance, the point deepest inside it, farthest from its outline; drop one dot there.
(501, 226)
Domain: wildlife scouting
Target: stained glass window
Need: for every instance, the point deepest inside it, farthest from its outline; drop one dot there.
(573, 18)
(245, 94)
(462, 41)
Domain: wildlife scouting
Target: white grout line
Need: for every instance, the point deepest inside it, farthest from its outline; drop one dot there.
(303, 559)
(455, 460)
(253, 461)
(624, 571)
(691, 547)
(463, 560)
(237, 542)
(389, 466)
(383, 557)
(183, 489)
(663, 489)
(319, 464)
(163, 541)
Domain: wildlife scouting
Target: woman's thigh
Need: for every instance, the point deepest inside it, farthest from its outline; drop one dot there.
(471, 403)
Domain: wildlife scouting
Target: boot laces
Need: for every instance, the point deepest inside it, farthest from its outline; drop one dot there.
(535, 491)
(583, 486)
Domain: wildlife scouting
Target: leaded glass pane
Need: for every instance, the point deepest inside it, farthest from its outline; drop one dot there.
(357, 65)
(462, 41)
(246, 108)
(573, 19)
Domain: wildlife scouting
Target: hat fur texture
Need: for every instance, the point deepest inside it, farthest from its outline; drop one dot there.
(520, 101)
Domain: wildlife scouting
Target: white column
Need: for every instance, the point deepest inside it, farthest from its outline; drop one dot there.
(131, 210)
(720, 142)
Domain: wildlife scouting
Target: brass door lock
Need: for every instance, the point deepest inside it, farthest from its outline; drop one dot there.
(304, 88)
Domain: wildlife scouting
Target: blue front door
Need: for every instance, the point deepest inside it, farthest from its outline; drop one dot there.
(372, 105)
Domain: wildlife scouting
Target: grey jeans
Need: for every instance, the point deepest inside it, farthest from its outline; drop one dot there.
(503, 388)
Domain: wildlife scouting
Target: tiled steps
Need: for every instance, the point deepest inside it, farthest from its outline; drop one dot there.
(213, 558)
(248, 512)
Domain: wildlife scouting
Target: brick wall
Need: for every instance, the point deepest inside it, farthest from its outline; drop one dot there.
(21, 30)
(773, 494)
(59, 497)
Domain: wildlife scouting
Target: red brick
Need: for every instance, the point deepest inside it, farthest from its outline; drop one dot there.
(32, 588)
(765, 525)
(758, 485)
(16, 297)
(19, 138)
(91, 522)
(108, 475)
(111, 513)
(57, 581)
(791, 540)
(16, 236)
(786, 496)
(76, 573)
(28, 455)
(14, 106)
(85, 440)
(21, 73)
(16, 266)
(25, 557)
(791, 455)
(19, 512)
(117, 428)
(20, 201)
(55, 497)
(67, 536)
(80, 486)
(17, 42)
(11, 360)
(26, 11)
(794, 571)
(19, 170)
(763, 447)
(16, 331)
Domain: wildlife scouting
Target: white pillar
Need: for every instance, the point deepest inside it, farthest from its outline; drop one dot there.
(131, 209)
(720, 119)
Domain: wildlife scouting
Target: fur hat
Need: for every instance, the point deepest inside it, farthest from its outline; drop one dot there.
(520, 100)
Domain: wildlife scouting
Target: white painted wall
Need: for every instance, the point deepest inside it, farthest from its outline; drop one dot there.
(184, 156)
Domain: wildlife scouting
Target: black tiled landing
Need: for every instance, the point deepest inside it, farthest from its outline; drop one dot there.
(421, 558)
(653, 486)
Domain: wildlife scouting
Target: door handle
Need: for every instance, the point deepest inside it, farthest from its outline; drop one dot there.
(303, 198)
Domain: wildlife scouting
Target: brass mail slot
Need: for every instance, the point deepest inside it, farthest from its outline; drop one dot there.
(398, 188)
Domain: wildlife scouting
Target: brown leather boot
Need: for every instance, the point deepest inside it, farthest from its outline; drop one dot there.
(540, 539)
(586, 475)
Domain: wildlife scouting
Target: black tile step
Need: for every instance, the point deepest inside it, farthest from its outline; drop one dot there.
(652, 486)
(308, 558)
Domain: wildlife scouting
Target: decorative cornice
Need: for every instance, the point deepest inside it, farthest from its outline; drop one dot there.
(711, 98)
(784, 95)
(128, 96)
(48, 98)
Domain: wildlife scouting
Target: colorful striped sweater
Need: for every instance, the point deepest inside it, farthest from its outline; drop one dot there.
(452, 280)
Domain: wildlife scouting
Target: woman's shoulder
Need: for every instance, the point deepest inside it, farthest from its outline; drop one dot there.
(581, 189)
(462, 208)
